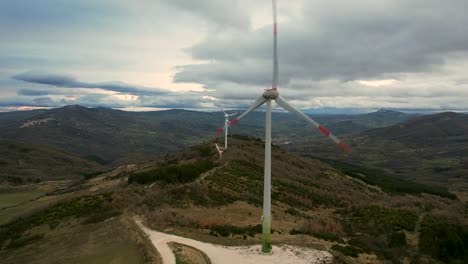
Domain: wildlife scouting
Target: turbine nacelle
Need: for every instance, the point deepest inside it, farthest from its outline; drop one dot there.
(271, 94)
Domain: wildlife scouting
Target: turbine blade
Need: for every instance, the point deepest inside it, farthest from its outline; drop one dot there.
(275, 48)
(219, 131)
(254, 106)
(220, 108)
(281, 102)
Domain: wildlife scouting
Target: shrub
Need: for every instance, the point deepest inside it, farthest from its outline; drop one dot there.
(442, 240)
(397, 239)
(387, 219)
(203, 150)
(347, 250)
(174, 173)
(292, 211)
(226, 230)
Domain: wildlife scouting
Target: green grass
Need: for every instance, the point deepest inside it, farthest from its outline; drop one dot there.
(16, 198)
(113, 253)
(7, 214)
(112, 241)
(92, 208)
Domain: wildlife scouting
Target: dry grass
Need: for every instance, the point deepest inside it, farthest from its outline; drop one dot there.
(116, 240)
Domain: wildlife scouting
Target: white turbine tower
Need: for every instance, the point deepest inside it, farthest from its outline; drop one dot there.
(267, 97)
(226, 126)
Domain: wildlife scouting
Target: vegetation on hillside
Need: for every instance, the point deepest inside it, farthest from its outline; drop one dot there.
(386, 182)
(173, 173)
(311, 200)
(92, 209)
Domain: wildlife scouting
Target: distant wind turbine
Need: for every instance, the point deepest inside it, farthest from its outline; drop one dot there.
(225, 127)
(267, 97)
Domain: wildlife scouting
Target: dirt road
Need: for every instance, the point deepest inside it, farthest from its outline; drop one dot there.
(282, 254)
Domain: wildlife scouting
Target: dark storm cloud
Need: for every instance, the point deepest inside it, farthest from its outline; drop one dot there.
(70, 82)
(346, 41)
(34, 92)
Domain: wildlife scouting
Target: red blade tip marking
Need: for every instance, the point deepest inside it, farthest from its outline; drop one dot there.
(324, 131)
(344, 147)
(219, 131)
(233, 122)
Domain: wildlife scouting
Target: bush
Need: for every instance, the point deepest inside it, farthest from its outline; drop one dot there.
(226, 230)
(397, 239)
(442, 240)
(347, 250)
(387, 219)
(203, 150)
(174, 173)
(292, 211)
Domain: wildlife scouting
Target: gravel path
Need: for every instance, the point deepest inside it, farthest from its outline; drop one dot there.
(282, 254)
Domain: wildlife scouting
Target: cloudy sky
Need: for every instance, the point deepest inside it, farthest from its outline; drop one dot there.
(158, 54)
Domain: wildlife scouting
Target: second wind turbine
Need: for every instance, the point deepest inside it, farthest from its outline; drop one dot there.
(225, 127)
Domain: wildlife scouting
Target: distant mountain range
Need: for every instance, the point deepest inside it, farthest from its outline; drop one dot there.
(111, 135)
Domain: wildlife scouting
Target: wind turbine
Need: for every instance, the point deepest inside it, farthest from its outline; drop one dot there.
(268, 96)
(226, 126)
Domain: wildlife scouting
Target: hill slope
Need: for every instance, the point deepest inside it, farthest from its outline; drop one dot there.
(22, 163)
(432, 148)
(195, 193)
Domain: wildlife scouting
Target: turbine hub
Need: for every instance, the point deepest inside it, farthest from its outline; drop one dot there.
(270, 94)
